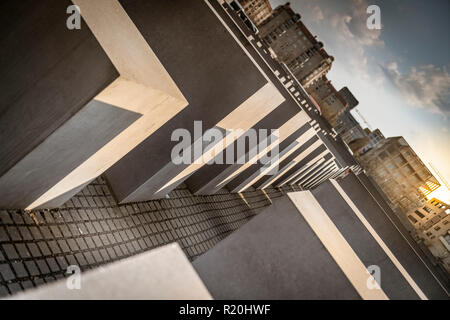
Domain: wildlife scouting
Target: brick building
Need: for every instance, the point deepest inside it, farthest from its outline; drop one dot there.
(400, 173)
(295, 46)
(332, 103)
(256, 10)
(432, 221)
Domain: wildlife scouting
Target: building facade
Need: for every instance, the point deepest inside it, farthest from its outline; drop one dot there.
(432, 222)
(401, 174)
(332, 103)
(294, 45)
(256, 10)
(349, 97)
(375, 137)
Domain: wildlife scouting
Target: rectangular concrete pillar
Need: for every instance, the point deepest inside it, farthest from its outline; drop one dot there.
(209, 179)
(332, 171)
(304, 167)
(342, 251)
(163, 273)
(326, 172)
(312, 145)
(304, 182)
(370, 211)
(212, 178)
(288, 150)
(90, 99)
(224, 86)
(274, 256)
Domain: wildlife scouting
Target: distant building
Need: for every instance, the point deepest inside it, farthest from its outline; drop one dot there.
(349, 97)
(375, 137)
(432, 222)
(335, 108)
(294, 45)
(394, 165)
(331, 102)
(256, 10)
(351, 132)
(349, 128)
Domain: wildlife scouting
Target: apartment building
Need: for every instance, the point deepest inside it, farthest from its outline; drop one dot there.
(295, 46)
(432, 221)
(400, 173)
(256, 10)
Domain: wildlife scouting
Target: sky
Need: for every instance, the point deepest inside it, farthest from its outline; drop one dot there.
(399, 74)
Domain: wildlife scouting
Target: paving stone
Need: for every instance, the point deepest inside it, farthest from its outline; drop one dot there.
(14, 287)
(34, 250)
(19, 269)
(10, 251)
(53, 265)
(3, 235)
(6, 272)
(32, 268)
(44, 248)
(114, 232)
(42, 265)
(14, 233)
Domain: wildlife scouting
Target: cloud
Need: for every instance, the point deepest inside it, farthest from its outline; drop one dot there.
(424, 87)
(357, 24)
(317, 13)
(353, 25)
(352, 40)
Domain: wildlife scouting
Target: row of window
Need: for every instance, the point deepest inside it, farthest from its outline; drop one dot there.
(279, 30)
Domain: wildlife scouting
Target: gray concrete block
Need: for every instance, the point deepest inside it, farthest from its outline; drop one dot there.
(274, 256)
(212, 72)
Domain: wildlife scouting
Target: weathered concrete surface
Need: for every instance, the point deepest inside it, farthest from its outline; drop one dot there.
(48, 74)
(289, 149)
(371, 204)
(209, 179)
(69, 146)
(370, 253)
(88, 139)
(213, 73)
(274, 256)
(304, 168)
(164, 273)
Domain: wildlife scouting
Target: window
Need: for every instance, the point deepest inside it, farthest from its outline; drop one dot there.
(381, 172)
(400, 160)
(392, 150)
(390, 166)
(437, 228)
(420, 214)
(413, 220)
(427, 209)
(415, 179)
(408, 170)
(383, 155)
